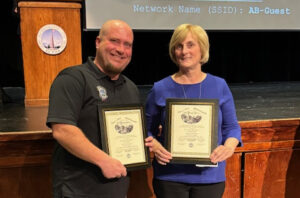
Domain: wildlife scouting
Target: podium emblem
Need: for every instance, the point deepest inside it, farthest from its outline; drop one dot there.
(52, 39)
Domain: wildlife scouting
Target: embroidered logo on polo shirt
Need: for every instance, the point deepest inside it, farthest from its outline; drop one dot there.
(102, 92)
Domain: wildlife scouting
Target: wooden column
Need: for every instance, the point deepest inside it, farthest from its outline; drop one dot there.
(40, 68)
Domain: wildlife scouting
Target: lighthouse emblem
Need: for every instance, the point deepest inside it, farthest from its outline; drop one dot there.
(51, 39)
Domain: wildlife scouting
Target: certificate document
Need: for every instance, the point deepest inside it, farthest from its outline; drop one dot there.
(123, 133)
(191, 129)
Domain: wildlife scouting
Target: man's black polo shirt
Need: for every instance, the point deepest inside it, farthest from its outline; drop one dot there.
(74, 98)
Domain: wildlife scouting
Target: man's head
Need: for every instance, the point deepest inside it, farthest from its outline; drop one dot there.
(114, 47)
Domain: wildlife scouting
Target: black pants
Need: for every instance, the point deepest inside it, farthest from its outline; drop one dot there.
(117, 188)
(167, 189)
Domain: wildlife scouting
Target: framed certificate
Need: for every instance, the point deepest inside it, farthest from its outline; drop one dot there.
(191, 130)
(123, 131)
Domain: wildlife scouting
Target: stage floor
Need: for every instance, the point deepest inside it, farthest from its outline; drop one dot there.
(256, 101)
(267, 101)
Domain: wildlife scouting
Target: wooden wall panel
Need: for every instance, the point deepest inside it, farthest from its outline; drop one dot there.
(233, 176)
(26, 182)
(25, 164)
(273, 174)
(141, 184)
(271, 165)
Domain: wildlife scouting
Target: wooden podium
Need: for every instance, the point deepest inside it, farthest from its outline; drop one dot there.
(41, 68)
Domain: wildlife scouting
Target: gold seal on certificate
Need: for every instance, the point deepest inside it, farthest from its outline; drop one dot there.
(191, 129)
(123, 132)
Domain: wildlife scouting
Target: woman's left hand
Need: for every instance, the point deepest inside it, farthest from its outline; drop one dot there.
(225, 151)
(161, 154)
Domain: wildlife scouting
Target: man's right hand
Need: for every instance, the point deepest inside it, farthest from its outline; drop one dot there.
(113, 168)
(74, 140)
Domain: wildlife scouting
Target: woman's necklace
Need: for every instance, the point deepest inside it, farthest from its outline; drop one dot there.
(200, 86)
(183, 90)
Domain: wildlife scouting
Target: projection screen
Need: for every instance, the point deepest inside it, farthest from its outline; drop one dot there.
(210, 14)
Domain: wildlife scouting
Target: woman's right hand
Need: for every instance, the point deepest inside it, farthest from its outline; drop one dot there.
(161, 154)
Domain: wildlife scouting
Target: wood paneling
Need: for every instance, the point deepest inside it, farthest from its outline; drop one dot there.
(272, 174)
(233, 176)
(266, 166)
(272, 158)
(270, 134)
(25, 168)
(26, 182)
(141, 184)
(40, 68)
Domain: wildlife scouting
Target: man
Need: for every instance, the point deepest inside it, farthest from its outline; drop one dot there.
(80, 167)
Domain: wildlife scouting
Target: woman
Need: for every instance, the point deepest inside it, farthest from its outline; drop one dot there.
(189, 50)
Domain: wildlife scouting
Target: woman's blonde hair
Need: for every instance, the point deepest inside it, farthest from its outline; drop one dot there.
(181, 32)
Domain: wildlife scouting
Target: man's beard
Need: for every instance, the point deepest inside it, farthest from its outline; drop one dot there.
(112, 70)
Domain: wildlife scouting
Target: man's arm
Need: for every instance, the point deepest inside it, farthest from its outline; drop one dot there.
(74, 141)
